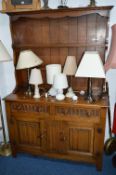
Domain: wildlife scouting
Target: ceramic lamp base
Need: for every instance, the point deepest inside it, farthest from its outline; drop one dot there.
(62, 7)
(70, 93)
(36, 93)
(60, 97)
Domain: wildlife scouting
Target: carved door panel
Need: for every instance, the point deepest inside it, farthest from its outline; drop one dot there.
(28, 133)
(81, 139)
(57, 137)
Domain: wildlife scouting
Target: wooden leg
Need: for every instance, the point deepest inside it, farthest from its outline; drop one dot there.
(14, 153)
(99, 163)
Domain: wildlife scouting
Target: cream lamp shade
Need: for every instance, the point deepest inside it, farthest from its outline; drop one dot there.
(28, 59)
(60, 83)
(51, 71)
(70, 66)
(4, 55)
(36, 79)
(91, 66)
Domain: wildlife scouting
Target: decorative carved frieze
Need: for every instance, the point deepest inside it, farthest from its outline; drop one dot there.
(77, 112)
(18, 107)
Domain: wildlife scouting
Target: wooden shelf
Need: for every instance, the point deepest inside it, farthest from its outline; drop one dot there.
(18, 46)
(55, 33)
(57, 13)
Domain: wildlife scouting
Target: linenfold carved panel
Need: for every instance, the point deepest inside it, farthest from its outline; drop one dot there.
(28, 133)
(78, 134)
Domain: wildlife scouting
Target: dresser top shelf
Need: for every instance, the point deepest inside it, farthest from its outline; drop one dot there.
(103, 102)
(69, 12)
(53, 34)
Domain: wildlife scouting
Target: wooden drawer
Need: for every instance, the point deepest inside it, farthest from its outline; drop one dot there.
(30, 108)
(79, 113)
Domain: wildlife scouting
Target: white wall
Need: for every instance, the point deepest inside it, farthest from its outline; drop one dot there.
(7, 77)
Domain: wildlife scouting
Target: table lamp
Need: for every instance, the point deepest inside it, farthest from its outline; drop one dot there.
(4, 147)
(36, 79)
(91, 66)
(28, 59)
(60, 83)
(70, 68)
(111, 60)
(51, 71)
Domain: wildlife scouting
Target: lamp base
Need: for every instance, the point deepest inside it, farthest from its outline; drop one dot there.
(28, 91)
(70, 93)
(5, 150)
(36, 96)
(45, 7)
(60, 97)
(36, 92)
(62, 7)
(89, 98)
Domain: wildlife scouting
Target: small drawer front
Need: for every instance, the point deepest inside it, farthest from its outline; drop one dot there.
(77, 112)
(30, 108)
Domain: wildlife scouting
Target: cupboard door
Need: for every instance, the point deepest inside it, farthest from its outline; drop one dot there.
(81, 139)
(28, 133)
(57, 137)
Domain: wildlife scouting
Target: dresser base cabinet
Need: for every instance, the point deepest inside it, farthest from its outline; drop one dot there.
(58, 129)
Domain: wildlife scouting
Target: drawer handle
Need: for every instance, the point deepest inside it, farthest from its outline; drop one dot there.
(42, 135)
